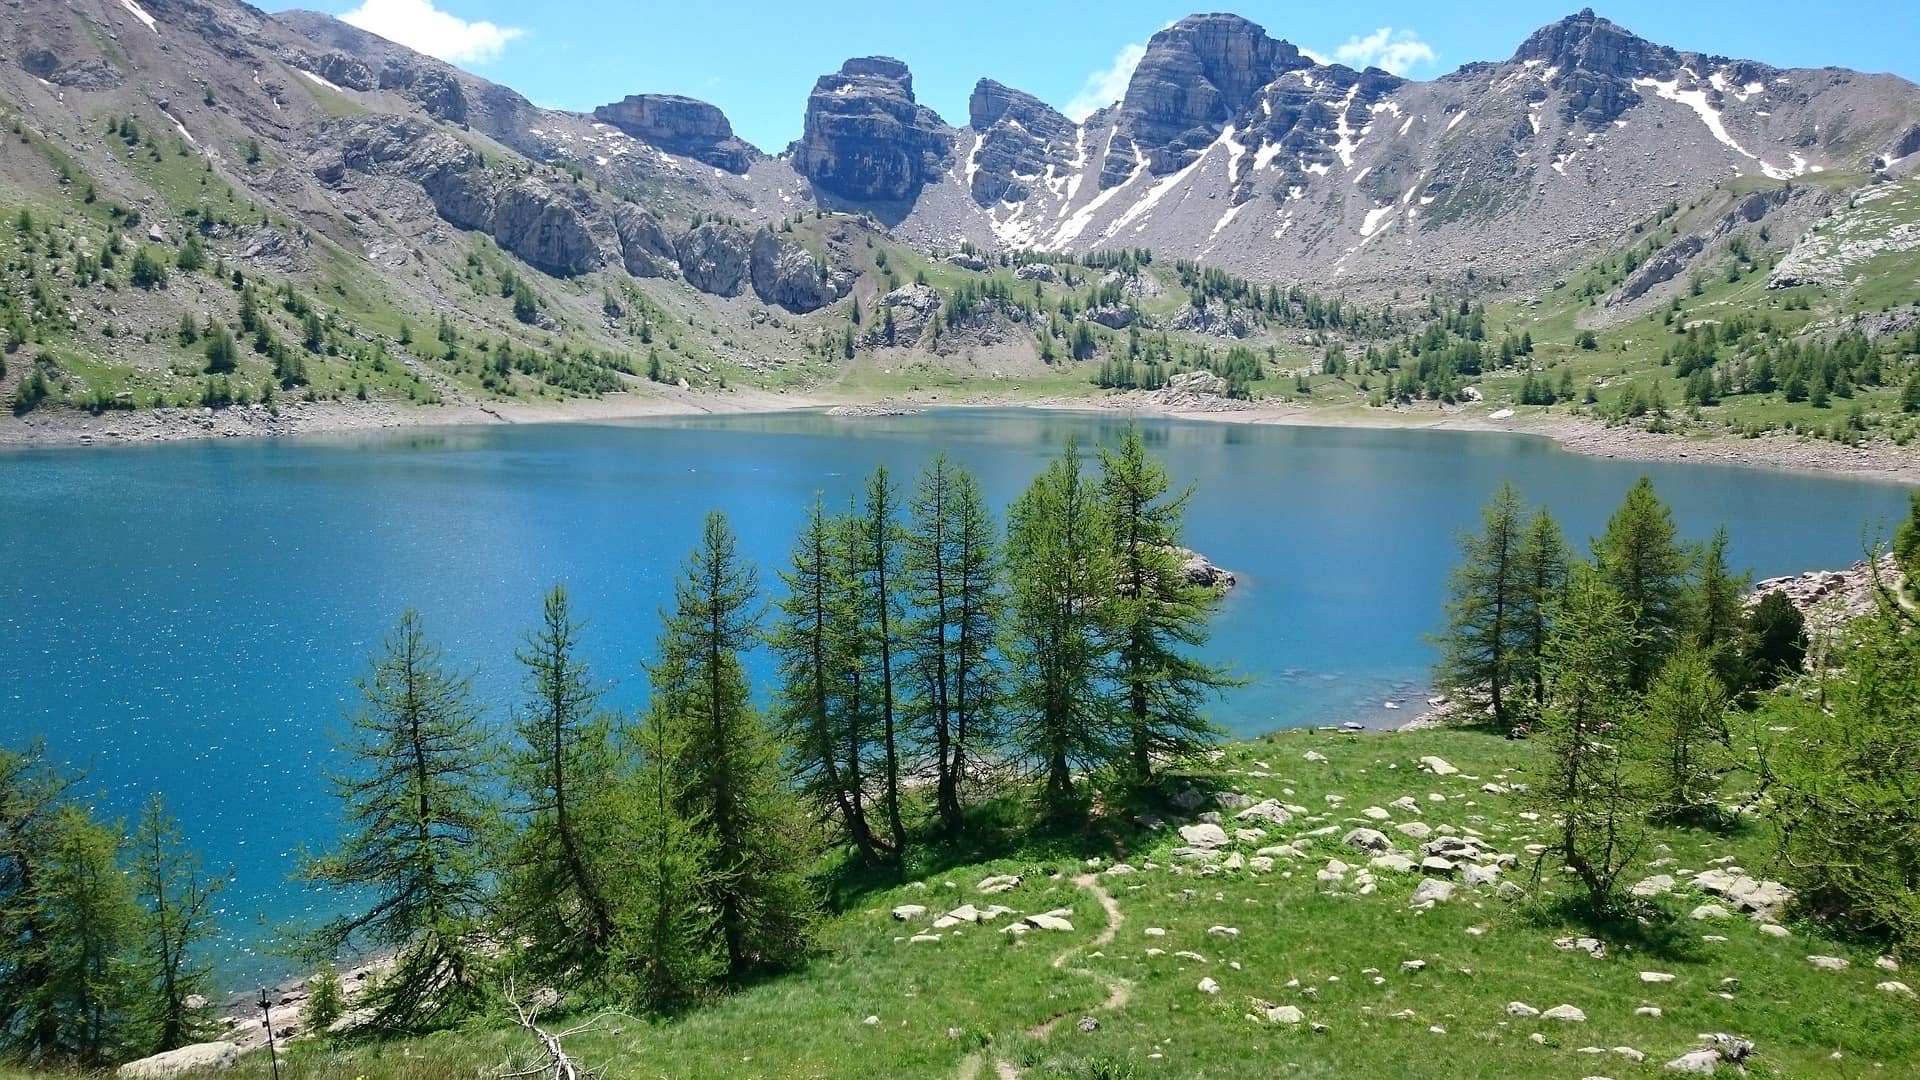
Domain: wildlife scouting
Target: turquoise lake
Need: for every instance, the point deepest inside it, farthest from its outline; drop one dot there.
(189, 618)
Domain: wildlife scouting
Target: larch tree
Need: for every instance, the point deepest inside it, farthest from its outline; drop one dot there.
(416, 809)
(729, 761)
(563, 777)
(177, 915)
(1591, 783)
(1544, 561)
(1488, 607)
(880, 576)
(952, 583)
(1060, 565)
(814, 648)
(1156, 616)
(1684, 732)
(1717, 617)
(91, 920)
(1641, 560)
(31, 794)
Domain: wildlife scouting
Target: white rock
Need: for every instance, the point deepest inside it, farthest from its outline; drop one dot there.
(1893, 986)
(1657, 885)
(1655, 977)
(1438, 766)
(1224, 931)
(1285, 1014)
(1775, 930)
(1367, 840)
(1313, 755)
(1568, 1013)
(1829, 963)
(1711, 912)
(999, 883)
(1432, 891)
(1417, 830)
(1521, 1009)
(1155, 931)
(1703, 1062)
(200, 1057)
(1208, 986)
(1375, 813)
(1204, 835)
(909, 911)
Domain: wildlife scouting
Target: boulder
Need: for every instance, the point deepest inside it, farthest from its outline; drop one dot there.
(1367, 840)
(1432, 891)
(1438, 766)
(1567, 1013)
(1267, 810)
(200, 1057)
(1204, 835)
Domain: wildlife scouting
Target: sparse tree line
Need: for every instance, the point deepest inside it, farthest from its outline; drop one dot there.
(1659, 692)
(925, 661)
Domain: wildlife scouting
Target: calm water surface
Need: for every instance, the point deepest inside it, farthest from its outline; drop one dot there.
(190, 618)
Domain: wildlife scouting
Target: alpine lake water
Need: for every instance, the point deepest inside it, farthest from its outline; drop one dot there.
(190, 618)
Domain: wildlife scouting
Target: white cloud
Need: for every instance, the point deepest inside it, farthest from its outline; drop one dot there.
(420, 26)
(1106, 86)
(1397, 51)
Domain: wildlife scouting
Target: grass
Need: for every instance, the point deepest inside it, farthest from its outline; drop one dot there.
(978, 997)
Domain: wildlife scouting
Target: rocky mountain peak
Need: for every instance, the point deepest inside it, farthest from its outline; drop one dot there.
(1587, 42)
(866, 139)
(680, 125)
(1017, 136)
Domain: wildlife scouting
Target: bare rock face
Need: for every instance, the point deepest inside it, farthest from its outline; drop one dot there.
(680, 125)
(714, 257)
(645, 248)
(336, 67)
(908, 309)
(1197, 75)
(92, 73)
(787, 274)
(1594, 62)
(866, 139)
(1018, 136)
(546, 228)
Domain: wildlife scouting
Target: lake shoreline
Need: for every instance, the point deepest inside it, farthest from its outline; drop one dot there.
(1580, 435)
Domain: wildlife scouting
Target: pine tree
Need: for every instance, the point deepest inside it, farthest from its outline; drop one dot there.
(563, 776)
(1591, 784)
(1059, 560)
(952, 580)
(1906, 545)
(1639, 558)
(816, 646)
(880, 574)
(729, 761)
(176, 899)
(1776, 641)
(416, 811)
(1156, 615)
(1487, 609)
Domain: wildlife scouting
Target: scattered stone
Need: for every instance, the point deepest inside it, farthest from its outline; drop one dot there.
(1285, 1014)
(1224, 931)
(1269, 811)
(1593, 947)
(1437, 866)
(1521, 1009)
(1204, 835)
(1480, 875)
(1375, 813)
(1766, 900)
(1367, 840)
(1657, 885)
(1313, 755)
(1648, 1010)
(1393, 861)
(1413, 965)
(1119, 870)
(1208, 986)
(1089, 1025)
(1185, 954)
(1568, 1013)
(1432, 891)
(1829, 963)
(1894, 986)
(871, 1021)
(1703, 1062)
(1416, 830)
(999, 883)
(1711, 913)
(1886, 963)
(1655, 977)
(1775, 930)
(909, 911)
(1156, 931)
(1438, 766)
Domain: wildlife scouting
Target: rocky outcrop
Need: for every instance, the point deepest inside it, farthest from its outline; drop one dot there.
(1197, 76)
(645, 248)
(714, 257)
(906, 312)
(1659, 269)
(1217, 319)
(92, 73)
(866, 139)
(546, 228)
(1200, 570)
(1019, 136)
(787, 274)
(680, 125)
(1594, 62)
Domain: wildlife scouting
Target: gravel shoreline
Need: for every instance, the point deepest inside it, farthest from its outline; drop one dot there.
(1580, 435)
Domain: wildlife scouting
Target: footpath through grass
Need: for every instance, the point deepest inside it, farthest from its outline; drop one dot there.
(1384, 989)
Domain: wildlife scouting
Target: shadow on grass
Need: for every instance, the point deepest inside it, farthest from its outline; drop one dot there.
(1629, 925)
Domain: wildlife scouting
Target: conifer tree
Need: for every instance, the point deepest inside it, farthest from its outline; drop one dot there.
(416, 812)
(880, 575)
(1717, 614)
(563, 777)
(1685, 726)
(667, 935)
(1640, 559)
(177, 915)
(1487, 617)
(1156, 616)
(91, 920)
(729, 761)
(1543, 562)
(1060, 565)
(816, 644)
(951, 569)
(1592, 784)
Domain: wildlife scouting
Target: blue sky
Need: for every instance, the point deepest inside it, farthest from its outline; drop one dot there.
(758, 59)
